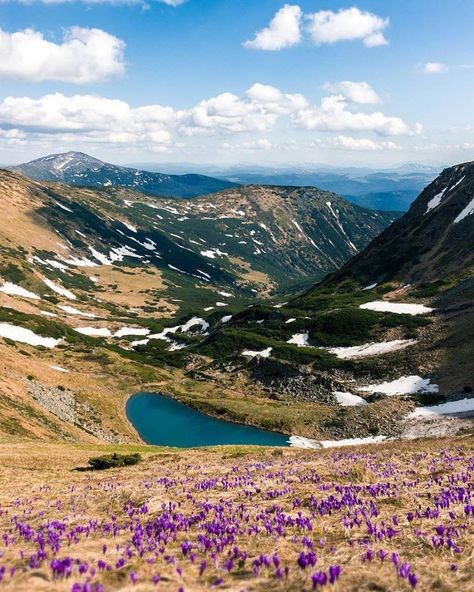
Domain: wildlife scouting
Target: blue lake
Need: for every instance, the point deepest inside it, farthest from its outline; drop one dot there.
(162, 421)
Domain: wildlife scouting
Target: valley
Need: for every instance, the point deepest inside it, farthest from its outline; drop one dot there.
(347, 360)
(236, 296)
(110, 292)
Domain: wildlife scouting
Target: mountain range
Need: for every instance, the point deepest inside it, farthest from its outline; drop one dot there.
(109, 291)
(77, 168)
(381, 189)
(388, 190)
(397, 319)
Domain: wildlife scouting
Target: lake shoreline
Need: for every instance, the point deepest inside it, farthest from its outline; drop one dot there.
(153, 414)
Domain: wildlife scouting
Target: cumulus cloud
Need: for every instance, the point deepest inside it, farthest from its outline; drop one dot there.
(274, 100)
(435, 68)
(89, 119)
(84, 56)
(258, 111)
(97, 119)
(284, 30)
(348, 24)
(262, 145)
(287, 29)
(333, 115)
(356, 144)
(356, 92)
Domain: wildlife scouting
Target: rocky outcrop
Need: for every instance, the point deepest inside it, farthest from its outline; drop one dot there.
(63, 403)
(290, 380)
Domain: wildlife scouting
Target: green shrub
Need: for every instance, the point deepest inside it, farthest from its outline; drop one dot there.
(110, 461)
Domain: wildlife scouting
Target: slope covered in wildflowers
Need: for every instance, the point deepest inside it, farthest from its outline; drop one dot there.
(390, 517)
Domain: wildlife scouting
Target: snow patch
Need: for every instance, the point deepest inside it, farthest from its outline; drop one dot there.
(126, 331)
(301, 442)
(75, 311)
(193, 322)
(14, 290)
(370, 349)
(468, 210)
(59, 369)
(65, 208)
(129, 226)
(397, 307)
(404, 385)
(461, 406)
(435, 201)
(94, 331)
(299, 339)
(22, 335)
(59, 289)
(348, 399)
(265, 353)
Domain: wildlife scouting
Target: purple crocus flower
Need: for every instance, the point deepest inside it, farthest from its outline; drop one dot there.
(334, 573)
(319, 578)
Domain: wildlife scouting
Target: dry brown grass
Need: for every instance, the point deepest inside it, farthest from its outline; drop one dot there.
(427, 466)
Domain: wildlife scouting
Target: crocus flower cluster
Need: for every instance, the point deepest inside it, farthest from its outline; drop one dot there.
(301, 520)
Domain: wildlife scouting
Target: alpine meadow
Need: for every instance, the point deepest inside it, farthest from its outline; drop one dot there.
(236, 296)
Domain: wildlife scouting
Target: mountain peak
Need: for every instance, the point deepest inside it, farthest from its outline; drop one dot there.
(64, 160)
(79, 168)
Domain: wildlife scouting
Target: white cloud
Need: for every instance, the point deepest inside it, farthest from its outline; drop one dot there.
(356, 144)
(252, 146)
(333, 115)
(435, 68)
(258, 111)
(348, 24)
(284, 30)
(274, 100)
(84, 56)
(88, 119)
(356, 92)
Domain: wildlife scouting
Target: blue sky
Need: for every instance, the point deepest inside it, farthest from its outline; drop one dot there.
(149, 75)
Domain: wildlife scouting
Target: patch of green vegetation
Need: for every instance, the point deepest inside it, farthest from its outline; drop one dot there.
(427, 290)
(112, 461)
(12, 273)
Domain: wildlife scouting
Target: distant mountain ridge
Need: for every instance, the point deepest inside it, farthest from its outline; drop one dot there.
(391, 189)
(78, 168)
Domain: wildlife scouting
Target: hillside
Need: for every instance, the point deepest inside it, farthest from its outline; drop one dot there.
(119, 292)
(77, 168)
(259, 238)
(393, 517)
(434, 240)
(391, 329)
(94, 282)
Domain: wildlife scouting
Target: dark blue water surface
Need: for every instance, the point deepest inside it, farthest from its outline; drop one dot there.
(165, 422)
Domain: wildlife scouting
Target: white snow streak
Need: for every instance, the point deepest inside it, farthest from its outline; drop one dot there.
(397, 307)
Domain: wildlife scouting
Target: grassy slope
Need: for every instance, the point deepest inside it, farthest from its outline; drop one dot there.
(243, 487)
